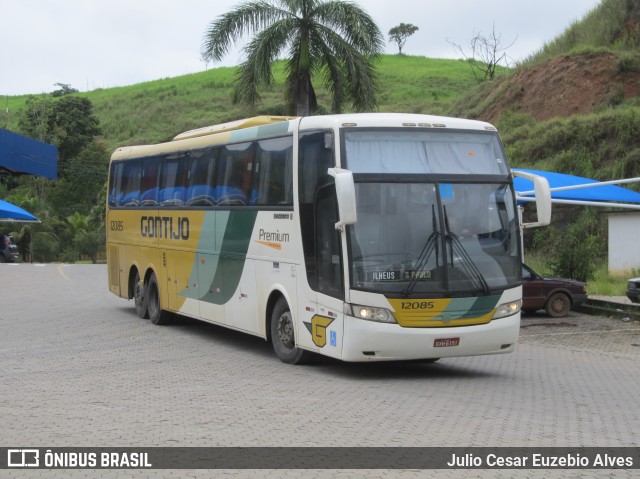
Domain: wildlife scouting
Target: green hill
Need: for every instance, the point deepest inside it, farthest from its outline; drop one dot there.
(573, 107)
(613, 24)
(156, 111)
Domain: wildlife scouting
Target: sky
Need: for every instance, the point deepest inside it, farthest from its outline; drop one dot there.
(91, 44)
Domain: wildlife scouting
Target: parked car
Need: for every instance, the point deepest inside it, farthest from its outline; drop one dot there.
(8, 250)
(633, 290)
(557, 296)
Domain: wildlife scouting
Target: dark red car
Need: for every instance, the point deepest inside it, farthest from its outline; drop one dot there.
(557, 296)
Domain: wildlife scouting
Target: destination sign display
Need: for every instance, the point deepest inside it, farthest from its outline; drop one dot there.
(397, 275)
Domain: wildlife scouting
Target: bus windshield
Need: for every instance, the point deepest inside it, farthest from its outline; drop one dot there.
(421, 234)
(424, 152)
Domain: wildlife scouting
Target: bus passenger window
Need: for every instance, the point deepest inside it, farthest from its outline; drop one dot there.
(174, 181)
(129, 195)
(234, 175)
(114, 183)
(273, 178)
(149, 183)
(200, 191)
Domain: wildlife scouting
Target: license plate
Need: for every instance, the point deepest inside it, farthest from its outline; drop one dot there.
(446, 342)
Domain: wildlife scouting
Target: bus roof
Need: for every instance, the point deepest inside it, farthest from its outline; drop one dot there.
(392, 120)
(197, 138)
(232, 125)
(208, 135)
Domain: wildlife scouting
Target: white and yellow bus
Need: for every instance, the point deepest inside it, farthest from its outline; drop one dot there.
(361, 237)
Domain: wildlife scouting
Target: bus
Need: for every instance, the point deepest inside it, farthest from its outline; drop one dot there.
(363, 237)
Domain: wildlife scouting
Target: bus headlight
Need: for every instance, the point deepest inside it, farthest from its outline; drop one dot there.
(380, 315)
(507, 309)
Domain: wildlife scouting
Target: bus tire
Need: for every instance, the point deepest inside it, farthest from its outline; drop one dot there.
(156, 314)
(140, 297)
(430, 360)
(282, 335)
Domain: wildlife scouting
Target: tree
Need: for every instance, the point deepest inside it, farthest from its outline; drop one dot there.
(76, 124)
(35, 119)
(67, 122)
(487, 52)
(81, 181)
(333, 39)
(65, 89)
(400, 34)
(23, 241)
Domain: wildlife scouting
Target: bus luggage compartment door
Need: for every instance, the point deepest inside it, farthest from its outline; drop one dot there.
(182, 282)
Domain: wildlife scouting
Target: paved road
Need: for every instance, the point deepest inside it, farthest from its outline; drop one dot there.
(79, 368)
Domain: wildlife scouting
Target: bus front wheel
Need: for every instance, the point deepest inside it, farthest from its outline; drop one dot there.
(156, 314)
(282, 335)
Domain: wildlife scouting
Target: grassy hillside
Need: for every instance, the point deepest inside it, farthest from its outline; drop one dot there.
(574, 106)
(156, 111)
(612, 25)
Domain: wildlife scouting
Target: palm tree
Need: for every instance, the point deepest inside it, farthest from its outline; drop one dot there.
(334, 39)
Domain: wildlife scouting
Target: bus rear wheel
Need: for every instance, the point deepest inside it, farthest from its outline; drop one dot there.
(140, 297)
(156, 314)
(282, 335)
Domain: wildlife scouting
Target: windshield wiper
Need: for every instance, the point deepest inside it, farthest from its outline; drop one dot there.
(427, 250)
(468, 265)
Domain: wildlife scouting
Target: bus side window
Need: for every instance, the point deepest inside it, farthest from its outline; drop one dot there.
(201, 192)
(234, 175)
(316, 193)
(174, 181)
(273, 178)
(114, 186)
(149, 183)
(328, 246)
(129, 195)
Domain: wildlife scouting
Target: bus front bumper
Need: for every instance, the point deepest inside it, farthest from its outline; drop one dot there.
(371, 341)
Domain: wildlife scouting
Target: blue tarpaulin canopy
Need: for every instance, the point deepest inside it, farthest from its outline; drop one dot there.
(562, 191)
(23, 155)
(11, 212)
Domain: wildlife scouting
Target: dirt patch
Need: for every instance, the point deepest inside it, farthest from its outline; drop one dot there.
(548, 325)
(563, 86)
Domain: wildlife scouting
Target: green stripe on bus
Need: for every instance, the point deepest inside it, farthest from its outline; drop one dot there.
(230, 260)
(472, 307)
(483, 305)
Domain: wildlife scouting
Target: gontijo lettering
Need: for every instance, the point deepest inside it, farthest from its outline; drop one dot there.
(164, 227)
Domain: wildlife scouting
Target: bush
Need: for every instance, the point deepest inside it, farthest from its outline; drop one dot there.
(45, 246)
(88, 243)
(69, 255)
(579, 248)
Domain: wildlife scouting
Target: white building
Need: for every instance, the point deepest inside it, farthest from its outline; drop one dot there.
(624, 241)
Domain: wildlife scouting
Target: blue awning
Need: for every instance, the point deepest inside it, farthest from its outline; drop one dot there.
(604, 193)
(23, 155)
(11, 212)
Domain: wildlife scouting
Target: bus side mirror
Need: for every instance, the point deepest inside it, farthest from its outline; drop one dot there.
(542, 193)
(346, 196)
